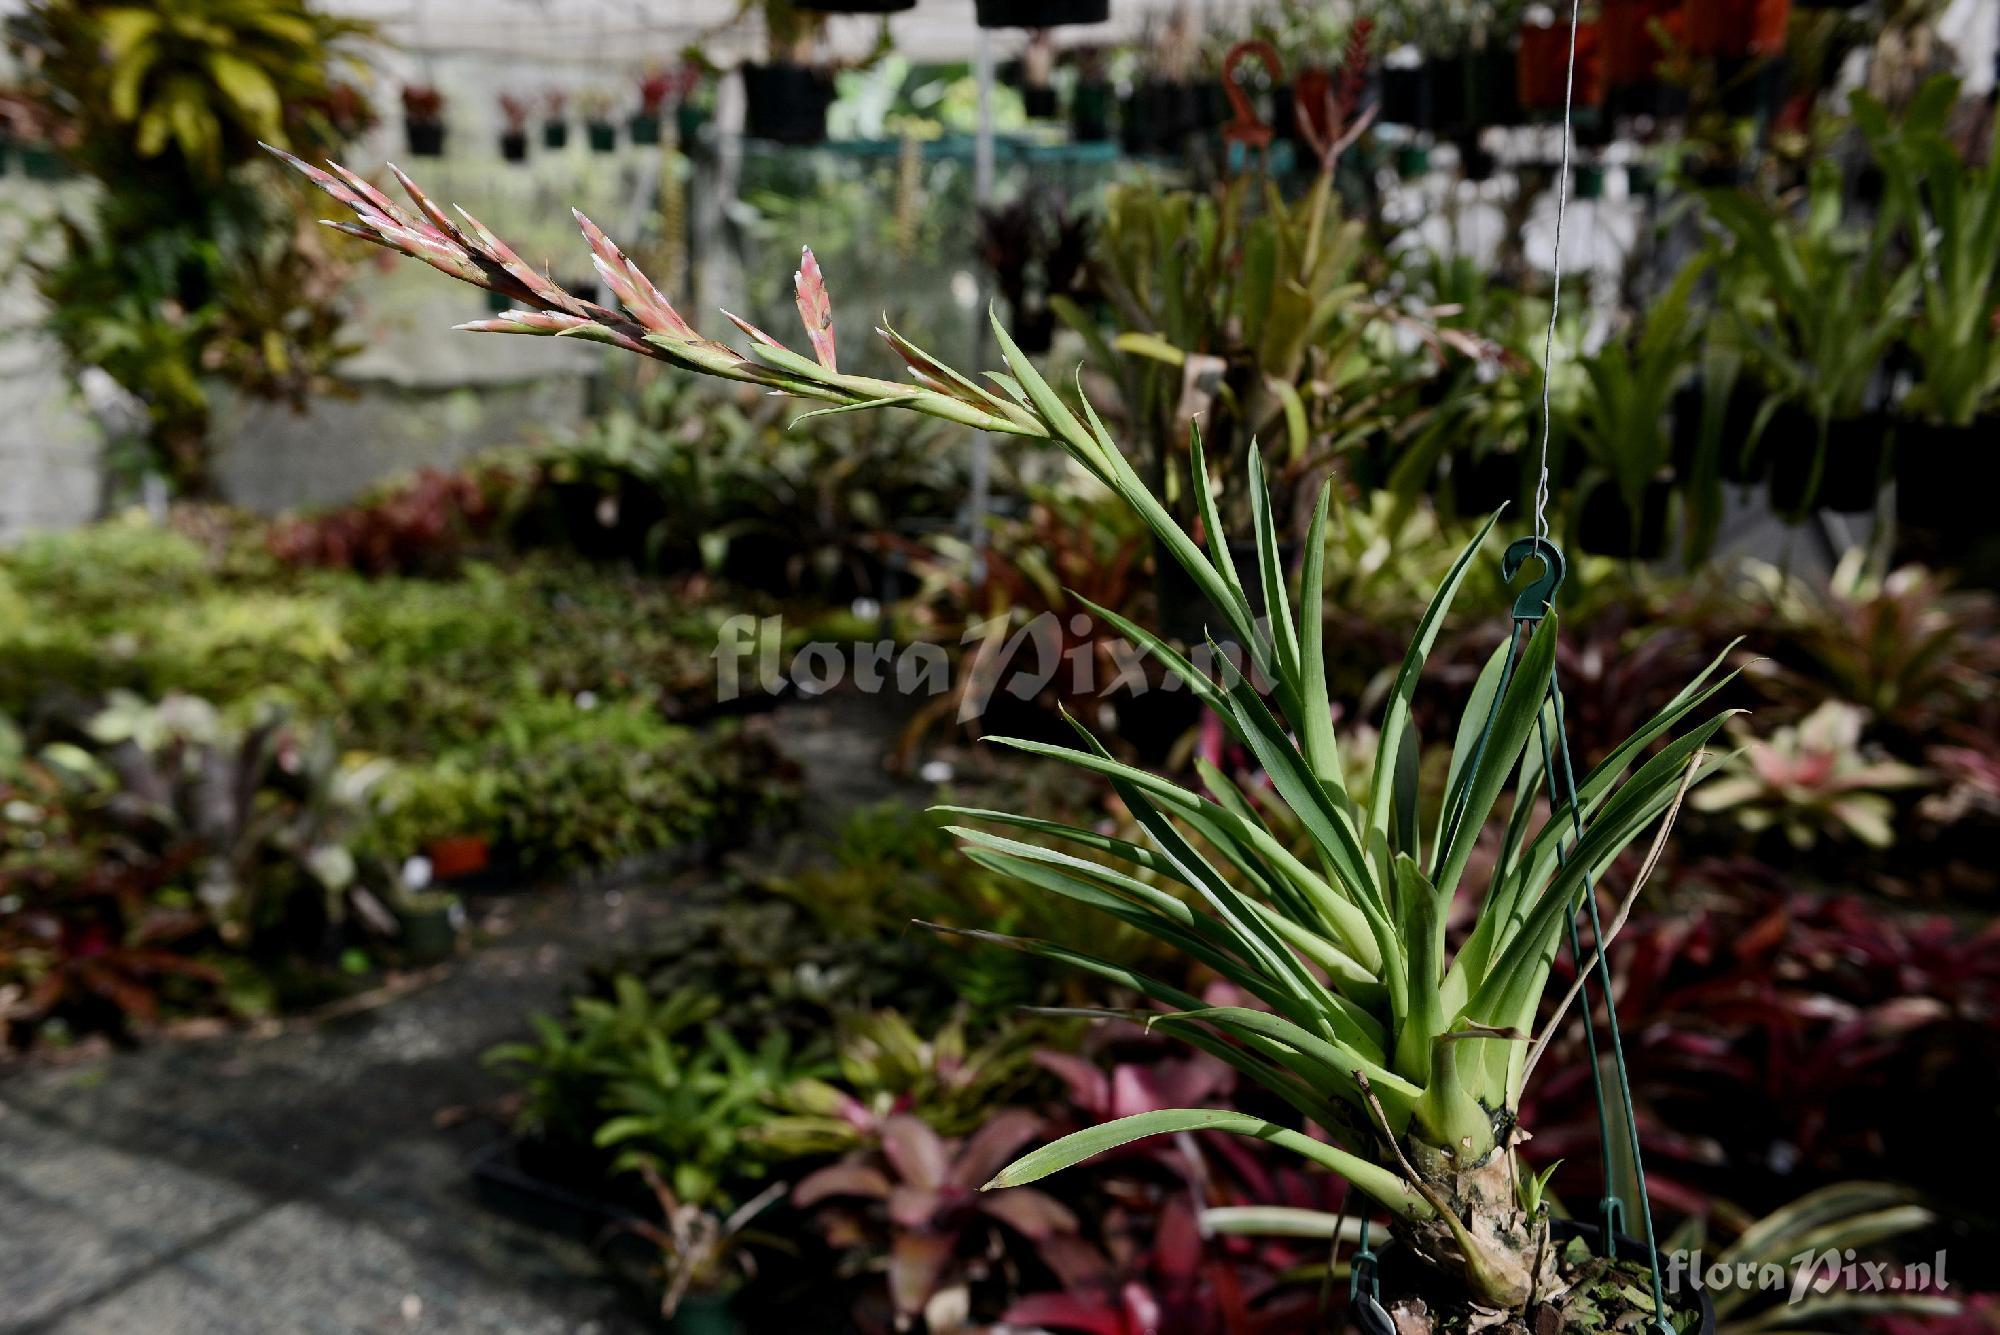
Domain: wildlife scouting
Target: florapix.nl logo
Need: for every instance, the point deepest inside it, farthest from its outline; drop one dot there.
(1805, 1275)
(1075, 656)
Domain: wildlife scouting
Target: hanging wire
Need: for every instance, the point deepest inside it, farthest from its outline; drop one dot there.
(1556, 271)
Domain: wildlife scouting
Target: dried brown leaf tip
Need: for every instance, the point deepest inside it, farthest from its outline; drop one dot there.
(815, 307)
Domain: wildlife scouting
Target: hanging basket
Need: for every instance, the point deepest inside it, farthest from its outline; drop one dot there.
(1040, 13)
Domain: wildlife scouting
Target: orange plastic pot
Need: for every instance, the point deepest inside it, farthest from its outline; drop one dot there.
(1632, 52)
(1542, 67)
(460, 855)
(1732, 29)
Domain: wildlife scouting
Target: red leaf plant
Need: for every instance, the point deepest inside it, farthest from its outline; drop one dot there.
(944, 1234)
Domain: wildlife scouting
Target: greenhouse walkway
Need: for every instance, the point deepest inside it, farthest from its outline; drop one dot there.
(316, 1178)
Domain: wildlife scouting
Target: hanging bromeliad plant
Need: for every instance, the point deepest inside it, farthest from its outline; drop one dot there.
(1406, 1058)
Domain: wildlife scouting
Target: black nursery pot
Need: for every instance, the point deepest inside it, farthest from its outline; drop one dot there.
(603, 136)
(425, 138)
(1483, 483)
(1406, 96)
(1475, 161)
(1039, 13)
(1606, 526)
(1039, 101)
(1138, 131)
(514, 145)
(1491, 97)
(1852, 475)
(644, 127)
(1738, 417)
(555, 134)
(787, 103)
(1945, 478)
(1448, 78)
(1034, 329)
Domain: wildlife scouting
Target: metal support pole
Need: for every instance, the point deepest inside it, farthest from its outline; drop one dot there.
(982, 196)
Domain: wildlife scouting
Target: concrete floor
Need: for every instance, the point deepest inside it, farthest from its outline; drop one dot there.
(302, 1180)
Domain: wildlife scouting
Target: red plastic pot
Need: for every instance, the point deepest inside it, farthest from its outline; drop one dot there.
(1542, 67)
(1733, 29)
(1632, 51)
(460, 855)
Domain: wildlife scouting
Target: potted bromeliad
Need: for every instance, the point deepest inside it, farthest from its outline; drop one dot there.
(1951, 214)
(786, 96)
(555, 119)
(1820, 302)
(423, 120)
(1622, 422)
(600, 131)
(1402, 1060)
(514, 114)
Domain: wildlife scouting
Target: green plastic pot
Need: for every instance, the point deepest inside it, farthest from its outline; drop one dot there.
(602, 135)
(1412, 161)
(705, 1314)
(644, 128)
(555, 134)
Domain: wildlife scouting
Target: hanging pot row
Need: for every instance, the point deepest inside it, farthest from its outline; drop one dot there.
(1618, 66)
(987, 13)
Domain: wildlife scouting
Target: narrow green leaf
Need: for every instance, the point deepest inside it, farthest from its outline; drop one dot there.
(1396, 717)
(1384, 1186)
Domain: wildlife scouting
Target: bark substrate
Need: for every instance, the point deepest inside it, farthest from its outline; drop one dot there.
(1600, 1295)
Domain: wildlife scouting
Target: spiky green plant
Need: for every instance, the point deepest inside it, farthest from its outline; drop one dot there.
(1407, 1056)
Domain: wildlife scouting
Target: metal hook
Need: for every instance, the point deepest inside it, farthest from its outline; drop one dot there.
(1371, 1318)
(1533, 603)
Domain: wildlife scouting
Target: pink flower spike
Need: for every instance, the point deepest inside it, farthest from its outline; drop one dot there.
(630, 286)
(815, 307)
(752, 330)
(438, 217)
(374, 199)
